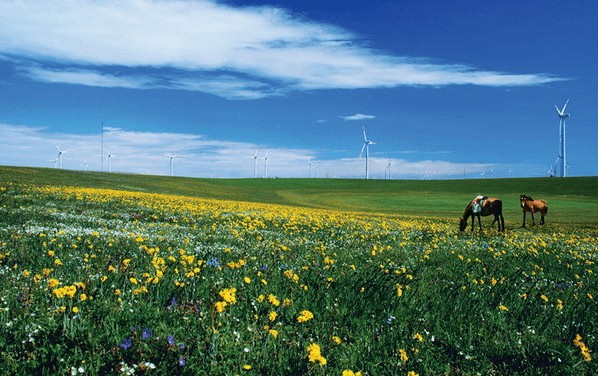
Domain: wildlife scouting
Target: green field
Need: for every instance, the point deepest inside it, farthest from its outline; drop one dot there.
(113, 274)
(572, 200)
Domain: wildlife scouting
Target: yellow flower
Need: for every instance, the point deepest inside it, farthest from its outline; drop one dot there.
(57, 261)
(229, 295)
(247, 280)
(53, 282)
(348, 372)
(337, 340)
(117, 292)
(314, 355)
(418, 337)
(83, 297)
(220, 306)
(503, 308)
(412, 373)
(75, 310)
(133, 280)
(304, 316)
(272, 299)
(247, 367)
(544, 297)
(273, 332)
(272, 316)
(404, 356)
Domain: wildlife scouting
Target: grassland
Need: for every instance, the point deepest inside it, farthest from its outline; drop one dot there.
(122, 274)
(572, 200)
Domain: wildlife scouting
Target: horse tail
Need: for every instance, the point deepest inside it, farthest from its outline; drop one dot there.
(545, 207)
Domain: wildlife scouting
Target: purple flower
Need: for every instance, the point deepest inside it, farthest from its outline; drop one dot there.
(170, 340)
(173, 303)
(146, 334)
(126, 343)
(182, 362)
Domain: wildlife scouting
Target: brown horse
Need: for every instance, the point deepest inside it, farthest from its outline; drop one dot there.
(528, 204)
(489, 206)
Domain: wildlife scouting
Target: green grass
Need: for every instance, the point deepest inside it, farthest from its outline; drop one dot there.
(389, 294)
(572, 200)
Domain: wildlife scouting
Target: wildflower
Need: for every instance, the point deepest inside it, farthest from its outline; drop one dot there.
(146, 334)
(247, 280)
(272, 316)
(247, 367)
(170, 340)
(348, 372)
(228, 295)
(304, 316)
(412, 373)
(544, 298)
(126, 343)
(314, 355)
(273, 332)
(272, 299)
(53, 282)
(418, 337)
(182, 361)
(117, 292)
(337, 340)
(403, 355)
(503, 308)
(83, 297)
(75, 310)
(173, 303)
(585, 350)
(399, 290)
(220, 306)
(559, 304)
(133, 280)
(390, 319)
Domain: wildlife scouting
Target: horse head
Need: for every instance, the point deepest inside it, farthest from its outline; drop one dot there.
(523, 198)
(462, 224)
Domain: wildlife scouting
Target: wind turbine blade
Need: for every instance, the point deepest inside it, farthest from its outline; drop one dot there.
(565, 106)
(365, 137)
(362, 148)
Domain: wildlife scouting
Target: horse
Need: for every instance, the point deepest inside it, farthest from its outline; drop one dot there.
(489, 206)
(528, 204)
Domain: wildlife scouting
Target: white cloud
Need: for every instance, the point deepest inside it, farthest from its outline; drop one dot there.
(237, 53)
(358, 117)
(143, 152)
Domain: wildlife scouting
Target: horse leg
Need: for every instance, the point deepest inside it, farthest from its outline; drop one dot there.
(542, 218)
(501, 224)
(533, 221)
(523, 225)
(480, 222)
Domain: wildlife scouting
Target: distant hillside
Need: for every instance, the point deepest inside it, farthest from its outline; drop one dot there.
(571, 199)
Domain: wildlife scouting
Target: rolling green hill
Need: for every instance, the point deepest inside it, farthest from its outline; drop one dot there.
(572, 200)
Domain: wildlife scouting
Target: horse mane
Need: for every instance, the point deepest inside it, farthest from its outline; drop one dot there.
(527, 197)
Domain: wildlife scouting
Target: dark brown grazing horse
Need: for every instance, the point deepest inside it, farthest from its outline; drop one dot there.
(528, 204)
(489, 206)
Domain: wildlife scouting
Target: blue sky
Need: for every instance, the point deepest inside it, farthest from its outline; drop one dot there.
(446, 89)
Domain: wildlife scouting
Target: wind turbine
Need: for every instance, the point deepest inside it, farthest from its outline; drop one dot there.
(59, 157)
(366, 146)
(109, 158)
(388, 169)
(172, 157)
(266, 165)
(255, 164)
(562, 147)
(85, 165)
(55, 160)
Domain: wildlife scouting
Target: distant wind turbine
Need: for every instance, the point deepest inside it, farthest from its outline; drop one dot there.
(109, 159)
(85, 165)
(388, 169)
(255, 164)
(366, 146)
(172, 157)
(266, 166)
(59, 157)
(55, 160)
(562, 141)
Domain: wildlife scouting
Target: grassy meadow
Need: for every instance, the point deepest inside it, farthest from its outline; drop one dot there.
(125, 274)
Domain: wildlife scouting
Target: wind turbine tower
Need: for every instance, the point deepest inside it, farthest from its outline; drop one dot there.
(366, 146)
(255, 165)
(59, 157)
(562, 141)
(172, 157)
(266, 166)
(109, 158)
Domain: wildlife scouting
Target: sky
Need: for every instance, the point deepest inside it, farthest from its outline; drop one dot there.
(242, 89)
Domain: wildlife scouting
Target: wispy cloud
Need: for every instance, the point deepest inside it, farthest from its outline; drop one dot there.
(358, 117)
(197, 156)
(203, 45)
